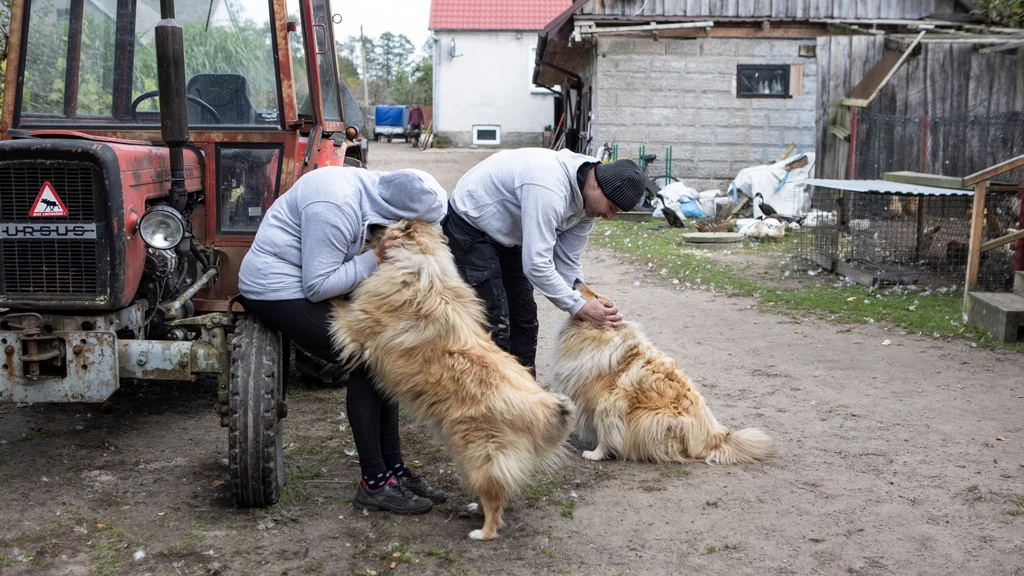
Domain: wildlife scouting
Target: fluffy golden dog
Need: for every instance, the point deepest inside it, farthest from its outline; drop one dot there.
(420, 328)
(637, 401)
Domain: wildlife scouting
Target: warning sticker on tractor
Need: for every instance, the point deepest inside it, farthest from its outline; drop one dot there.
(48, 203)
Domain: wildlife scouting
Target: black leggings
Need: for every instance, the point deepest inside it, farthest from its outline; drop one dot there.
(373, 417)
(496, 274)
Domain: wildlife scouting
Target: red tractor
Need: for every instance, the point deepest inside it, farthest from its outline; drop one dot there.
(143, 140)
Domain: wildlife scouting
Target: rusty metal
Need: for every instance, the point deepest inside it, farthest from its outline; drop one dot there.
(165, 360)
(289, 108)
(172, 308)
(92, 374)
(74, 58)
(12, 80)
(219, 340)
(124, 57)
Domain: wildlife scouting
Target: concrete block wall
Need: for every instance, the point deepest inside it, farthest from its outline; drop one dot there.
(682, 93)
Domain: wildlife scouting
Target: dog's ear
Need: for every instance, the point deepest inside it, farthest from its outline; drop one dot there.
(585, 290)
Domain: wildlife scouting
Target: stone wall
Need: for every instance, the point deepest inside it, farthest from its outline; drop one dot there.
(682, 93)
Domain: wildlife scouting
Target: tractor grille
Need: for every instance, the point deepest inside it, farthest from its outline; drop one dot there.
(20, 182)
(47, 268)
(51, 267)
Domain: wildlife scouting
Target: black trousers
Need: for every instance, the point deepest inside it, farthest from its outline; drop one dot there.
(372, 415)
(496, 273)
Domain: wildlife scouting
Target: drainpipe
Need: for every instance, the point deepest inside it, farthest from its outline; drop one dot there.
(435, 81)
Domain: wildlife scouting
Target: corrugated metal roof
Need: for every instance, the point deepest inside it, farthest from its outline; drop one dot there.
(494, 14)
(886, 187)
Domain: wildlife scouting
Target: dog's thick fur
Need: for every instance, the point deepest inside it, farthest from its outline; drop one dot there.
(637, 401)
(420, 328)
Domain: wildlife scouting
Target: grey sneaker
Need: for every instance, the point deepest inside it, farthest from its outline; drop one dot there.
(393, 497)
(418, 486)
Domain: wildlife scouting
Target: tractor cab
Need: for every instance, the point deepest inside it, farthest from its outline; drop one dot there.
(142, 143)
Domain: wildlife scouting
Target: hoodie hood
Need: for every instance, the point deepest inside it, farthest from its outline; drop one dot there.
(405, 194)
(571, 162)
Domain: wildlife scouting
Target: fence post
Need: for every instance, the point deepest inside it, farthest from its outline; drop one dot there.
(974, 243)
(852, 156)
(1020, 226)
(924, 145)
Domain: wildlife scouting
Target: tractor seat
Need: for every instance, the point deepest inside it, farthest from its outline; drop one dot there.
(648, 158)
(228, 94)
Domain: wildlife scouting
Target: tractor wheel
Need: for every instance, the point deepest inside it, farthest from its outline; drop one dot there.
(257, 406)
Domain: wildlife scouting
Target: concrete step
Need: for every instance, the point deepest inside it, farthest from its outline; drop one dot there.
(1018, 283)
(1000, 313)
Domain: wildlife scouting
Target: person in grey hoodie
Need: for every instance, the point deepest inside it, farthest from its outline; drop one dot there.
(520, 220)
(309, 249)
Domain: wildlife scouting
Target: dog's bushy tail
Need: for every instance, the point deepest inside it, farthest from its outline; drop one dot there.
(552, 450)
(743, 447)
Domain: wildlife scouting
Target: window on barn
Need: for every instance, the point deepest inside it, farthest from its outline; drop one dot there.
(762, 81)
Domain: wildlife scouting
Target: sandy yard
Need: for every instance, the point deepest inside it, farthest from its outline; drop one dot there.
(901, 459)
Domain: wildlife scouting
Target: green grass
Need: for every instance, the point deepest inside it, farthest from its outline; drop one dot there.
(817, 540)
(1018, 509)
(568, 508)
(934, 313)
(542, 489)
(712, 503)
(545, 551)
(652, 488)
(672, 472)
(443, 555)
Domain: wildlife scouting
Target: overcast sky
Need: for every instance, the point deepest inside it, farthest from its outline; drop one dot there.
(408, 17)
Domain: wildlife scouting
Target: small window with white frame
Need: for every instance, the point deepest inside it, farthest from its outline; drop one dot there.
(486, 134)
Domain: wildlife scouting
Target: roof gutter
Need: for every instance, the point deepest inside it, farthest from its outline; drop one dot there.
(575, 80)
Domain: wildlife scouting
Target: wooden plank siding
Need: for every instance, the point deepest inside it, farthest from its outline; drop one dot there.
(946, 82)
(864, 9)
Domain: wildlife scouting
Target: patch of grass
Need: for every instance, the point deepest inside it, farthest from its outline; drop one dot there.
(568, 508)
(542, 489)
(6, 561)
(562, 569)
(1018, 509)
(545, 551)
(193, 537)
(932, 313)
(671, 472)
(711, 548)
(652, 488)
(712, 503)
(443, 555)
(400, 554)
(817, 540)
(310, 569)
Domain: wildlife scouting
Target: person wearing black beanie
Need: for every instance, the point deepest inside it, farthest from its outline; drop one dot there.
(519, 221)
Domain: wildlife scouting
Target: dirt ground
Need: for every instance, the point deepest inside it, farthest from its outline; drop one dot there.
(899, 459)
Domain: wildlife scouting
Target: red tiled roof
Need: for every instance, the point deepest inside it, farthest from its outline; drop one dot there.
(494, 14)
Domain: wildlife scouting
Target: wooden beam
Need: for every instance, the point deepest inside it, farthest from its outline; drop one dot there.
(934, 180)
(1018, 235)
(993, 171)
(863, 102)
(974, 245)
(785, 154)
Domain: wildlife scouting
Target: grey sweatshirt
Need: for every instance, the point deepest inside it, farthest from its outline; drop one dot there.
(530, 198)
(308, 244)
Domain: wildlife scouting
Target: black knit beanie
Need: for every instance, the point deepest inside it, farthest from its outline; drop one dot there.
(622, 182)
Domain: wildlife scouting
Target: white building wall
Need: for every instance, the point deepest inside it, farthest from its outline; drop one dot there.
(488, 82)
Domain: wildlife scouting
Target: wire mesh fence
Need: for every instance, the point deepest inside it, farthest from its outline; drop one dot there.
(908, 239)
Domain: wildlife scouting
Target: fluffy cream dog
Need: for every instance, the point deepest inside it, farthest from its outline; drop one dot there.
(638, 403)
(420, 328)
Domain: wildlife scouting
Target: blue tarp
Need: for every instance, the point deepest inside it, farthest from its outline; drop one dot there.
(392, 115)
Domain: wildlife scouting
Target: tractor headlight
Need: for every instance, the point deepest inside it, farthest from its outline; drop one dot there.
(351, 132)
(162, 227)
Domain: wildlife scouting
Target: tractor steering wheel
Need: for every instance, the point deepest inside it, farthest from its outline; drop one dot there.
(153, 93)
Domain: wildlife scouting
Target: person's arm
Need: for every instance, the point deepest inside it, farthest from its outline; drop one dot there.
(328, 230)
(540, 216)
(569, 250)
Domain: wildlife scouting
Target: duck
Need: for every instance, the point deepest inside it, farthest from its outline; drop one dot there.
(756, 229)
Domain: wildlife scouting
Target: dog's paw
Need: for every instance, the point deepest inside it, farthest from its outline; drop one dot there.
(593, 455)
(476, 535)
(473, 508)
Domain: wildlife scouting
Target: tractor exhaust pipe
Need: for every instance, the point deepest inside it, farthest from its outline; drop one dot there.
(170, 64)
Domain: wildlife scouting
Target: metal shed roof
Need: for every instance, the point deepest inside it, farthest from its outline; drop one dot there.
(886, 187)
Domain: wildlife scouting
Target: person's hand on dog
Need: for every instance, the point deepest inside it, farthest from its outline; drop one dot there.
(600, 312)
(391, 239)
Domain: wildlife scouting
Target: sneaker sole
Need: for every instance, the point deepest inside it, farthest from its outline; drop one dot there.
(401, 511)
